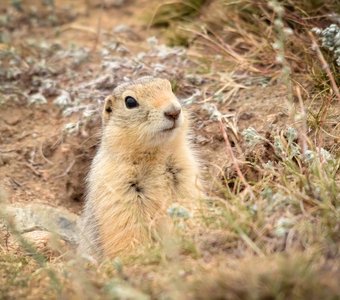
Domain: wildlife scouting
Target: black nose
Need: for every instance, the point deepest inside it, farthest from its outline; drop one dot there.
(172, 114)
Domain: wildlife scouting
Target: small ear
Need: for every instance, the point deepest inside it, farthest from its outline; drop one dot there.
(108, 108)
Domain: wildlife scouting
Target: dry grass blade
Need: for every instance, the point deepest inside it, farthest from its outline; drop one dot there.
(325, 66)
(234, 159)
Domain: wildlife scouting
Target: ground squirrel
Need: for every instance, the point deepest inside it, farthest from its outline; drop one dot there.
(144, 163)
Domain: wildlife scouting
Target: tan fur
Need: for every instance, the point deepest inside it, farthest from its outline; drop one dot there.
(138, 171)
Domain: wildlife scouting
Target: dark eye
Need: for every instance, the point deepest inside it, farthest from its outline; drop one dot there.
(131, 102)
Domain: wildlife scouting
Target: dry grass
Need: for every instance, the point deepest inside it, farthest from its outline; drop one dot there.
(269, 227)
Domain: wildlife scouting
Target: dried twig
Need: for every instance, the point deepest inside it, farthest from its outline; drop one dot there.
(99, 28)
(250, 243)
(36, 172)
(303, 132)
(77, 27)
(8, 150)
(15, 182)
(43, 155)
(68, 169)
(325, 66)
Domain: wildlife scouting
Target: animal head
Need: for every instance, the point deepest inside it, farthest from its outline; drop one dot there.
(145, 110)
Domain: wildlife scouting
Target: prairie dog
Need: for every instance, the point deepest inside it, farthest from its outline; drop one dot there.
(144, 164)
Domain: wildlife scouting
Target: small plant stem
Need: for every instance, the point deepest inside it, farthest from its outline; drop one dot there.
(325, 65)
(233, 158)
(303, 132)
(99, 27)
(250, 243)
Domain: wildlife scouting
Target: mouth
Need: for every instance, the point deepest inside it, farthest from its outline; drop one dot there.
(173, 127)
